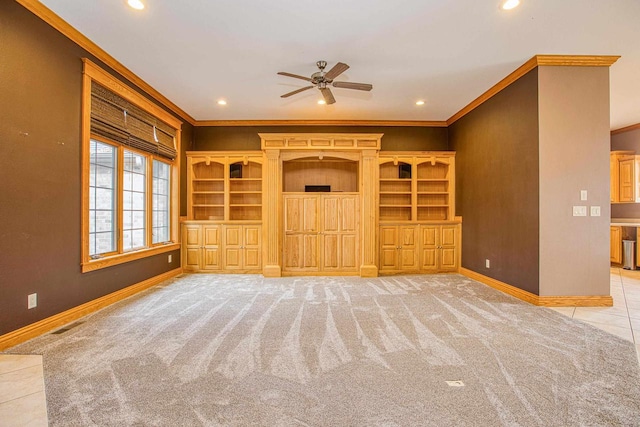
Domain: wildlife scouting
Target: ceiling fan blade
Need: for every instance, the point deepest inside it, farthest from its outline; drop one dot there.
(295, 76)
(328, 96)
(337, 69)
(349, 85)
(295, 91)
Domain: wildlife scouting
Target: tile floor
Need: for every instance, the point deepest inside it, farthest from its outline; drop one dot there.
(22, 398)
(623, 319)
(23, 403)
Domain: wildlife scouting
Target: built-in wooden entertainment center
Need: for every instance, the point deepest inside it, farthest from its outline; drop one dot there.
(321, 204)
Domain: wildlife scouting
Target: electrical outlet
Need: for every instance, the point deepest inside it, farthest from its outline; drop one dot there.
(595, 210)
(32, 301)
(487, 263)
(579, 211)
(169, 259)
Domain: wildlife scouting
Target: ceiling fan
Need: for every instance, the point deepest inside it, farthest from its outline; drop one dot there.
(323, 80)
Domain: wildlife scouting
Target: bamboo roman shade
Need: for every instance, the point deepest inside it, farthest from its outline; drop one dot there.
(115, 118)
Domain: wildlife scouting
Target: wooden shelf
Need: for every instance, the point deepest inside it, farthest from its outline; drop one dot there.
(224, 186)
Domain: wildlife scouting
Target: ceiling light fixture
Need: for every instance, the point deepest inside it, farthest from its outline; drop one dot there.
(222, 102)
(321, 102)
(420, 102)
(510, 4)
(136, 4)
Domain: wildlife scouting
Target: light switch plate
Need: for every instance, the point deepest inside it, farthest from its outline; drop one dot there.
(595, 210)
(583, 195)
(579, 211)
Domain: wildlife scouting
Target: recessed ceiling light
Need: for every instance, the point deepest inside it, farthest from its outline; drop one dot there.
(321, 102)
(222, 102)
(510, 4)
(420, 102)
(136, 4)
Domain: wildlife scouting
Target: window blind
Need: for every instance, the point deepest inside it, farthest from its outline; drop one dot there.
(115, 118)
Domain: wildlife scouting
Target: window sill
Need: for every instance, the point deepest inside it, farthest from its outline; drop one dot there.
(97, 264)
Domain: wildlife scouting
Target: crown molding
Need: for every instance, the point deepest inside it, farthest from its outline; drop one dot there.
(48, 16)
(414, 123)
(625, 129)
(536, 61)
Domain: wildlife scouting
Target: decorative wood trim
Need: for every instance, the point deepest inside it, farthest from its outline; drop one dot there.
(542, 301)
(538, 60)
(127, 257)
(414, 123)
(625, 129)
(576, 60)
(45, 325)
(320, 141)
(576, 301)
(501, 286)
(48, 16)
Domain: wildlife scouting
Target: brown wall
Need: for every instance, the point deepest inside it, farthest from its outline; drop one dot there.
(246, 137)
(40, 182)
(497, 184)
(626, 141)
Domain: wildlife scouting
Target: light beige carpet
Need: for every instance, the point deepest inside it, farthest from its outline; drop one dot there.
(240, 350)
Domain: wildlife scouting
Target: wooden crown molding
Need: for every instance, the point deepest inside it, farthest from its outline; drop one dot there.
(536, 61)
(625, 129)
(408, 123)
(48, 16)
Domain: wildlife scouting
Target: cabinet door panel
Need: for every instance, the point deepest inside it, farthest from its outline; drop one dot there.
(232, 236)
(388, 236)
(310, 205)
(293, 215)
(251, 235)
(349, 252)
(449, 259)
(408, 236)
(330, 251)
(331, 214)
(293, 251)
(252, 258)
(349, 213)
(191, 258)
(192, 235)
(408, 259)
(448, 235)
(232, 258)
(429, 236)
(310, 256)
(211, 259)
(211, 235)
(429, 259)
(388, 258)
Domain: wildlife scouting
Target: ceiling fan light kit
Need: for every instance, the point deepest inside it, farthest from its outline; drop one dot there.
(323, 81)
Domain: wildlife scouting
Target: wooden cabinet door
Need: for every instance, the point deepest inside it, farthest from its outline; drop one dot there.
(388, 247)
(191, 247)
(616, 245)
(448, 248)
(626, 180)
(301, 239)
(339, 233)
(251, 247)
(408, 255)
(232, 247)
(211, 247)
(429, 255)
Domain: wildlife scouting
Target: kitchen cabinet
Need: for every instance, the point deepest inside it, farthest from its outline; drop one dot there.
(625, 172)
(616, 245)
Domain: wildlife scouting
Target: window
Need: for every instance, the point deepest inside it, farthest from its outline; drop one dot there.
(102, 198)
(160, 197)
(130, 174)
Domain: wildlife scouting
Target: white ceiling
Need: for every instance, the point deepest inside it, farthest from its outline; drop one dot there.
(443, 51)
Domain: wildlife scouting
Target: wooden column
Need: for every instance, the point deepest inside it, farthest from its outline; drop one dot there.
(369, 180)
(271, 191)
